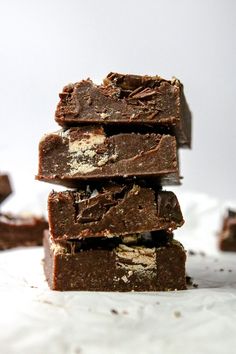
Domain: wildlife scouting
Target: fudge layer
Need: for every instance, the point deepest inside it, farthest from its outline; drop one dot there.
(227, 236)
(115, 264)
(116, 209)
(16, 231)
(129, 100)
(88, 153)
(5, 187)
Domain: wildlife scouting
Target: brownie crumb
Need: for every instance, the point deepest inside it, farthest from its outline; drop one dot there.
(48, 302)
(115, 312)
(221, 269)
(202, 253)
(229, 270)
(125, 312)
(177, 314)
(194, 253)
(195, 285)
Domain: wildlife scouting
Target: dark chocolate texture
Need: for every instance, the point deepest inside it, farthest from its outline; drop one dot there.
(116, 209)
(21, 231)
(116, 267)
(227, 236)
(5, 187)
(130, 100)
(88, 153)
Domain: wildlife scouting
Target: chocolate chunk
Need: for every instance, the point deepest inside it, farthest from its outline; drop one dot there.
(130, 100)
(227, 236)
(112, 210)
(87, 154)
(5, 187)
(19, 231)
(121, 268)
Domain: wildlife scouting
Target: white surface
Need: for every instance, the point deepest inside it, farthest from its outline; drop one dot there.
(35, 320)
(46, 44)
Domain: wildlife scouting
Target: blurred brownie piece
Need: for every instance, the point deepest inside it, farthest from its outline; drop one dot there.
(5, 187)
(117, 209)
(227, 236)
(147, 262)
(130, 100)
(88, 153)
(21, 231)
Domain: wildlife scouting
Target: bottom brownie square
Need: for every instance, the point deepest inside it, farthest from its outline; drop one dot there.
(144, 262)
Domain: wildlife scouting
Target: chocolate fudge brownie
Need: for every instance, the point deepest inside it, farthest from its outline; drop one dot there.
(117, 209)
(87, 153)
(227, 236)
(154, 263)
(128, 99)
(5, 187)
(17, 231)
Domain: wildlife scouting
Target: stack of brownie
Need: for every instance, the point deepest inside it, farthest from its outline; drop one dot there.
(112, 231)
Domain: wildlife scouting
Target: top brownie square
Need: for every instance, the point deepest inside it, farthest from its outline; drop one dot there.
(131, 100)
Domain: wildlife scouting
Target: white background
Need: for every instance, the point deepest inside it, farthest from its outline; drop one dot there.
(47, 44)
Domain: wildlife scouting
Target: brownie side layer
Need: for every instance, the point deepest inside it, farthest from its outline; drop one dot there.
(19, 231)
(130, 100)
(5, 187)
(87, 153)
(111, 211)
(122, 268)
